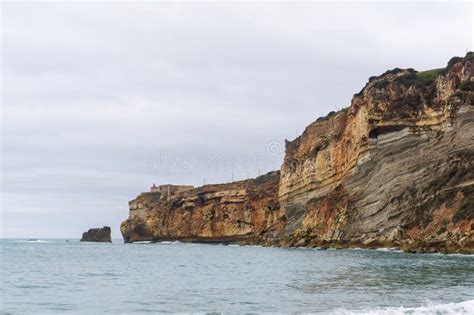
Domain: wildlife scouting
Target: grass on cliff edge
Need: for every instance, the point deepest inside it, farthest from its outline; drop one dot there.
(430, 75)
(419, 79)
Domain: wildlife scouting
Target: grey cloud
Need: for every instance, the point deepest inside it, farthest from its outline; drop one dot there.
(100, 100)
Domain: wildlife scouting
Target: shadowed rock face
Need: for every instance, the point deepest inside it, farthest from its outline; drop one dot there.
(97, 235)
(393, 169)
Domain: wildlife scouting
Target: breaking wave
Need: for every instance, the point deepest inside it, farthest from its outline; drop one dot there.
(389, 249)
(466, 307)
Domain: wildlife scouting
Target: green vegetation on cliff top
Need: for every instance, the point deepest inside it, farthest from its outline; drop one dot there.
(430, 75)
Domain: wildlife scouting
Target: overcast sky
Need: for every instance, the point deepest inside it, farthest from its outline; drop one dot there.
(101, 100)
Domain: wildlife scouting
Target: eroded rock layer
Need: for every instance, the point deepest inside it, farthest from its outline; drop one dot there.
(236, 212)
(396, 168)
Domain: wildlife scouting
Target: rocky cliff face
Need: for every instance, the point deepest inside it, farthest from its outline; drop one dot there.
(396, 168)
(240, 211)
(393, 169)
(97, 235)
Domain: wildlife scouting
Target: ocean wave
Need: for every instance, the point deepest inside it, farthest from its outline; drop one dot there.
(170, 242)
(388, 249)
(141, 242)
(448, 254)
(460, 255)
(355, 248)
(466, 307)
(34, 241)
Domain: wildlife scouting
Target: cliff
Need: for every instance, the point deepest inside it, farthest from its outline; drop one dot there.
(97, 235)
(394, 169)
(240, 211)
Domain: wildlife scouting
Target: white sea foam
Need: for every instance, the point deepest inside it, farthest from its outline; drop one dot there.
(170, 242)
(466, 307)
(34, 241)
(461, 255)
(388, 249)
(141, 242)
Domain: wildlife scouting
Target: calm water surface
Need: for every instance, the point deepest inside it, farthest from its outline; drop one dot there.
(91, 278)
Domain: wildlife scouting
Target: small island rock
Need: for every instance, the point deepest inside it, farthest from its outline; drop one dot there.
(97, 235)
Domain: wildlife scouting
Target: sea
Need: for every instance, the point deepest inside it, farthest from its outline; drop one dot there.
(50, 276)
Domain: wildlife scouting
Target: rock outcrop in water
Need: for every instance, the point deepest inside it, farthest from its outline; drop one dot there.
(395, 169)
(97, 235)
